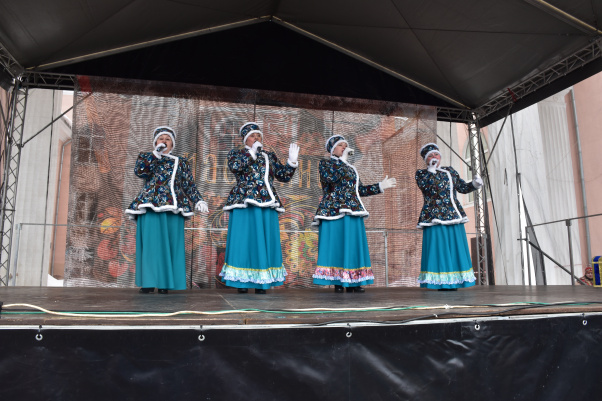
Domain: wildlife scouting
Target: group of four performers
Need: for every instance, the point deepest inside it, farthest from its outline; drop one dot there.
(253, 252)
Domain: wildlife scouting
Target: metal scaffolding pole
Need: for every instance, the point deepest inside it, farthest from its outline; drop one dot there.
(13, 138)
(479, 204)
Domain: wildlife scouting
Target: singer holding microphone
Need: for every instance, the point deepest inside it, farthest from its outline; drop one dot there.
(253, 252)
(343, 255)
(445, 263)
(168, 197)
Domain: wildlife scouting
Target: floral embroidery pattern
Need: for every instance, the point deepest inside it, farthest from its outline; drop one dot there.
(439, 205)
(341, 190)
(251, 185)
(446, 278)
(344, 275)
(165, 189)
(257, 276)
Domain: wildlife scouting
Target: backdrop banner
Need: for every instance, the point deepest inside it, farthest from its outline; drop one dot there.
(114, 121)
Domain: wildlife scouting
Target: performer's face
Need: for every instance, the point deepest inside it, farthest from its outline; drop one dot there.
(251, 139)
(432, 156)
(339, 149)
(166, 139)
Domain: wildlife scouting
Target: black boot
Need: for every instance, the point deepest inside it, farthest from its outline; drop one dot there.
(146, 290)
(338, 289)
(162, 291)
(243, 290)
(259, 291)
(355, 289)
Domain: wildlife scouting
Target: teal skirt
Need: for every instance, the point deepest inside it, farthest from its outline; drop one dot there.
(160, 251)
(343, 255)
(253, 252)
(446, 262)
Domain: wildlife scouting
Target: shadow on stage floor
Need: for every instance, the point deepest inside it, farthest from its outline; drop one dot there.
(125, 306)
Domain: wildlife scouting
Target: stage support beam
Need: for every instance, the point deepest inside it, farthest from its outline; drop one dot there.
(11, 147)
(12, 139)
(485, 274)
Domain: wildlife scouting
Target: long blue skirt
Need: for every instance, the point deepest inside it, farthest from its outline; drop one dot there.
(343, 255)
(253, 252)
(160, 251)
(445, 258)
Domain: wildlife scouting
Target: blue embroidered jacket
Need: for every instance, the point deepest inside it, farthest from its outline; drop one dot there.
(169, 185)
(441, 204)
(341, 189)
(255, 179)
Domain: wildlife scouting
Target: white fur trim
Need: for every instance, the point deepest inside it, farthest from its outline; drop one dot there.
(290, 163)
(266, 177)
(451, 191)
(342, 213)
(357, 183)
(166, 208)
(173, 179)
(428, 144)
(173, 140)
(432, 151)
(252, 152)
(436, 222)
(253, 202)
(451, 197)
(337, 144)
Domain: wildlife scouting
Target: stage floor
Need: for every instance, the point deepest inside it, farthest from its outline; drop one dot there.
(125, 306)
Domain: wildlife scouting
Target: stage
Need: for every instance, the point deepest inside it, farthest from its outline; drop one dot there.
(485, 342)
(214, 307)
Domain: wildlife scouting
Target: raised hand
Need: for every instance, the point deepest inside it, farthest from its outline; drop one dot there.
(293, 153)
(387, 183)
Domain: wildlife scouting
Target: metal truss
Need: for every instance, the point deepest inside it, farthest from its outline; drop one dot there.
(11, 148)
(9, 63)
(454, 115)
(48, 80)
(480, 205)
(589, 53)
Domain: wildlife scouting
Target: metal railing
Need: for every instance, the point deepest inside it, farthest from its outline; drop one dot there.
(568, 223)
(47, 264)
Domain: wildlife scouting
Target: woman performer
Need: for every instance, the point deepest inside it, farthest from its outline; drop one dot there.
(343, 256)
(446, 263)
(168, 197)
(253, 253)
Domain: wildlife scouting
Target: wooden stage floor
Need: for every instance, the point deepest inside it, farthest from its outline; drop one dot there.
(125, 306)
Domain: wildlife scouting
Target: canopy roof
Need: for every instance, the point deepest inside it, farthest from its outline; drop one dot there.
(459, 54)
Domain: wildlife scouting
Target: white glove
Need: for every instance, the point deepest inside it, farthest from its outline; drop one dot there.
(293, 154)
(256, 146)
(158, 150)
(477, 182)
(348, 151)
(202, 207)
(387, 183)
(432, 166)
